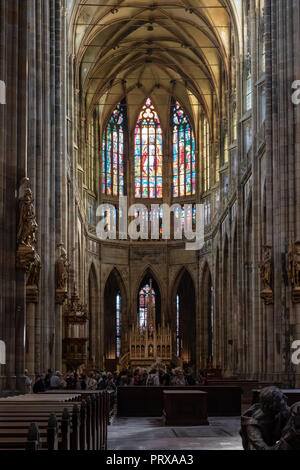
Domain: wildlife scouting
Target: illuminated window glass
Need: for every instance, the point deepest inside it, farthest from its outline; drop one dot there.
(113, 153)
(148, 154)
(144, 296)
(188, 216)
(184, 160)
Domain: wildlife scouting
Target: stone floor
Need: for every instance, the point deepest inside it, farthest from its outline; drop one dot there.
(152, 434)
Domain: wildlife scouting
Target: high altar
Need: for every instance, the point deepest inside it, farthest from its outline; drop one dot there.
(150, 343)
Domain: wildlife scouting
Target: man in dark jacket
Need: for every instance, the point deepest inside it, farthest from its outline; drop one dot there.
(39, 386)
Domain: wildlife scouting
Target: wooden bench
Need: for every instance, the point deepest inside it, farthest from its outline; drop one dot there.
(103, 411)
(185, 408)
(54, 429)
(88, 431)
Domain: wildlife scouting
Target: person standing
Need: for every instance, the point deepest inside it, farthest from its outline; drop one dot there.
(28, 382)
(153, 379)
(39, 386)
(56, 381)
(48, 378)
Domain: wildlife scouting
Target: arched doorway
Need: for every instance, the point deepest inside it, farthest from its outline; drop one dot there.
(114, 308)
(208, 322)
(248, 321)
(184, 319)
(235, 307)
(93, 303)
(226, 314)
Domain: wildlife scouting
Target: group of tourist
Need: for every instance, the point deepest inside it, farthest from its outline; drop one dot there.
(110, 381)
(73, 381)
(156, 377)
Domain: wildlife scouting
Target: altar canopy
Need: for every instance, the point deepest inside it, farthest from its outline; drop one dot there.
(149, 342)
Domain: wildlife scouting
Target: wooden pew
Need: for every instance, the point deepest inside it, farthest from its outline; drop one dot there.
(101, 402)
(88, 430)
(52, 420)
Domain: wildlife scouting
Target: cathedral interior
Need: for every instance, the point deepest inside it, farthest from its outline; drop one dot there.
(176, 102)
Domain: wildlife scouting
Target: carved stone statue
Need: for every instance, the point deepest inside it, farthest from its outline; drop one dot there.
(266, 275)
(293, 269)
(62, 266)
(62, 269)
(271, 424)
(26, 257)
(27, 220)
(33, 275)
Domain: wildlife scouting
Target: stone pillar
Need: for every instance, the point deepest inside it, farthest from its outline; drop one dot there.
(30, 340)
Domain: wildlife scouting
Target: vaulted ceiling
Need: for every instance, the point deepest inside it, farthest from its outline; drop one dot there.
(140, 48)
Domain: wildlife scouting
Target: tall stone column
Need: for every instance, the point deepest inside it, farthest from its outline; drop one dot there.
(30, 340)
(13, 143)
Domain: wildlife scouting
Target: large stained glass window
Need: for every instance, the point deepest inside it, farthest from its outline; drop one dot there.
(148, 154)
(184, 159)
(144, 296)
(113, 153)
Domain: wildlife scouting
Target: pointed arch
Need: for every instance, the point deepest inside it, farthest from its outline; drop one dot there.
(217, 311)
(249, 282)
(184, 152)
(183, 316)
(148, 154)
(113, 146)
(115, 305)
(144, 283)
(207, 343)
(179, 276)
(93, 304)
(225, 301)
(234, 300)
(148, 269)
